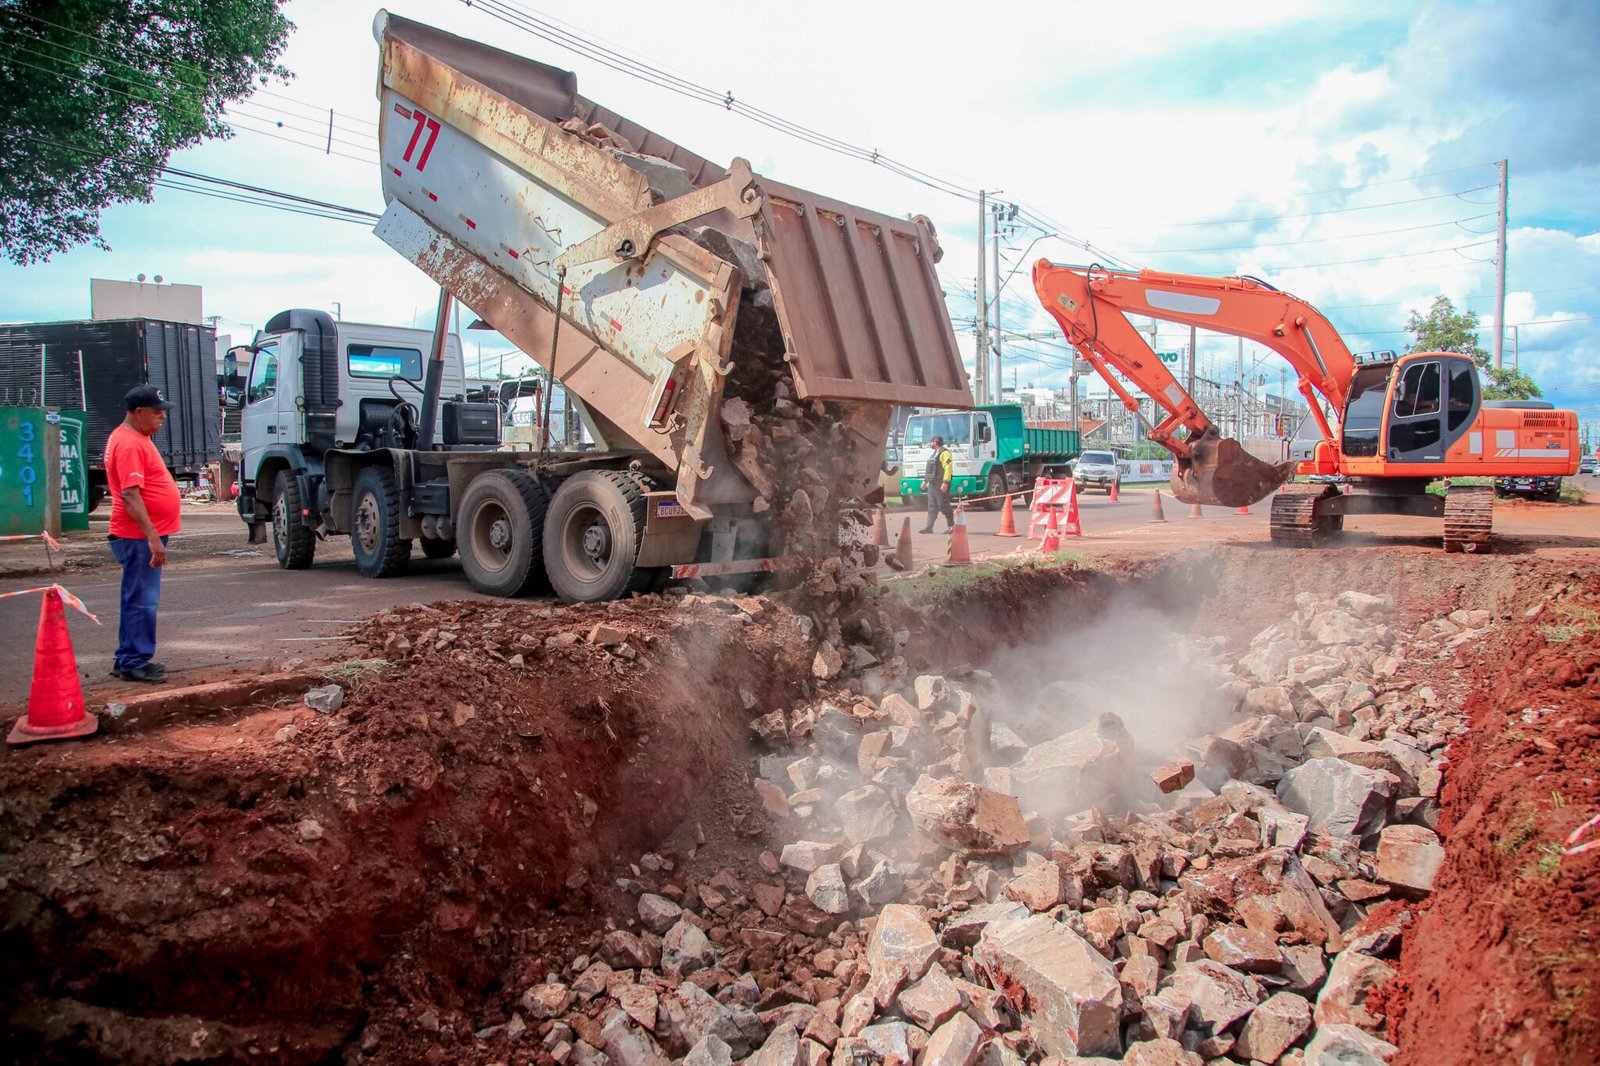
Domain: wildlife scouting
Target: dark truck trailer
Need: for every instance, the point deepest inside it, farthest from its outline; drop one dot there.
(92, 365)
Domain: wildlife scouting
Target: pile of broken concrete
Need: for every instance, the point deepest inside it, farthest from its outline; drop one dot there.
(946, 894)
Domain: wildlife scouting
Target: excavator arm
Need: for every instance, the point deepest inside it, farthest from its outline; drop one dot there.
(1091, 305)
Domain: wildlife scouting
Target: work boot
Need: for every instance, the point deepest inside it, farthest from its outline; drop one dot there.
(149, 673)
(925, 529)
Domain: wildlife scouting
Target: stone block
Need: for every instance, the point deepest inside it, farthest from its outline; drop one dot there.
(1338, 796)
(1409, 858)
(966, 817)
(1057, 981)
(1274, 1027)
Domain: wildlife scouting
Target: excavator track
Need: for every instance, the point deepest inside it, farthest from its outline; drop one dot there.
(1294, 516)
(1469, 518)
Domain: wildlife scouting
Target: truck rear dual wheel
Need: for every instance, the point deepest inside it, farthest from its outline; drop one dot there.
(592, 536)
(501, 532)
(375, 538)
(294, 542)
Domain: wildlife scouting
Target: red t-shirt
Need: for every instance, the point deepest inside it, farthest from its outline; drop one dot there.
(133, 462)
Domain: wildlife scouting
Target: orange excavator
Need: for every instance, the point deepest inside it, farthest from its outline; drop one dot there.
(1392, 425)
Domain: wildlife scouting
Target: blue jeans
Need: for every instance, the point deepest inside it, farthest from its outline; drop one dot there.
(141, 595)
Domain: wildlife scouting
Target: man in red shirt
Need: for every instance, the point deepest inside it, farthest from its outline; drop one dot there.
(144, 513)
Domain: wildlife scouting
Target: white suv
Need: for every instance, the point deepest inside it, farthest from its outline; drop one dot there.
(1099, 469)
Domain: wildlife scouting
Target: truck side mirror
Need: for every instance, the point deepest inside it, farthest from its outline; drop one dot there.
(983, 433)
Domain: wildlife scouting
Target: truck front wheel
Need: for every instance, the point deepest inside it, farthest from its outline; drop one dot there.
(996, 491)
(294, 542)
(592, 536)
(375, 538)
(501, 532)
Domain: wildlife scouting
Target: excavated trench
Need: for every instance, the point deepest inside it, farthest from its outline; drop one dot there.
(392, 882)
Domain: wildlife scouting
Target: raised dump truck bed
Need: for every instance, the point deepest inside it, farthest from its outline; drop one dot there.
(735, 345)
(504, 184)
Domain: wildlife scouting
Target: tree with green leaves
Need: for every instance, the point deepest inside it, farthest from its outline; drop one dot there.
(1444, 329)
(97, 94)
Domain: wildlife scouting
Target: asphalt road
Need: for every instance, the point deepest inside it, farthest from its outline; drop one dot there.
(218, 609)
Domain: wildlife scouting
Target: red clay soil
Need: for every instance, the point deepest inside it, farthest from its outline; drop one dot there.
(219, 892)
(1503, 964)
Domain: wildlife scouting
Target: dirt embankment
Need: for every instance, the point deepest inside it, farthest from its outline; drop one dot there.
(213, 893)
(1504, 963)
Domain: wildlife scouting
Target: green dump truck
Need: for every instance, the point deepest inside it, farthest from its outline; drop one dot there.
(993, 451)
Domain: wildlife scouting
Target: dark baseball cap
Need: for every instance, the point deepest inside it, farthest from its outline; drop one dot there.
(146, 396)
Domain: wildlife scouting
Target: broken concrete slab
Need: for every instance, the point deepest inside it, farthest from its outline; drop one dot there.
(691, 1015)
(685, 949)
(903, 935)
(1218, 995)
(826, 888)
(1172, 776)
(866, 814)
(1338, 796)
(1044, 885)
(657, 913)
(1409, 858)
(782, 1048)
(956, 1042)
(966, 817)
(930, 1001)
(1243, 949)
(1351, 980)
(1345, 1045)
(1075, 770)
(1054, 978)
(1274, 1027)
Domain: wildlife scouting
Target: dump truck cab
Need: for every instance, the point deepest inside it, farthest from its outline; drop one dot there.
(323, 397)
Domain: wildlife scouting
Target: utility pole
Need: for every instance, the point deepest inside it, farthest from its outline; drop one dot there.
(999, 372)
(1500, 273)
(1191, 360)
(1238, 396)
(981, 363)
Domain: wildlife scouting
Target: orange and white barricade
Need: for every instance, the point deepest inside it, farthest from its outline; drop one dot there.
(1057, 496)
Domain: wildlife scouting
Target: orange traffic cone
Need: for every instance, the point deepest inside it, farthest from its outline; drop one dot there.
(880, 529)
(1052, 536)
(1008, 521)
(902, 547)
(55, 699)
(1155, 509)
(1242, 510)
(1071, 526)
(960, 554)
(1195, 511)
(1113, 492)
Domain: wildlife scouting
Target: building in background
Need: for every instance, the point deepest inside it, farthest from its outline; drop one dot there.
(141, 299)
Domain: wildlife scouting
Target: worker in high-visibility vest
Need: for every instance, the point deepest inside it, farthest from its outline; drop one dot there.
(936, 478)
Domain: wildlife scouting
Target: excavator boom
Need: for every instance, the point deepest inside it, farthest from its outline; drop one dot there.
(1091, 304)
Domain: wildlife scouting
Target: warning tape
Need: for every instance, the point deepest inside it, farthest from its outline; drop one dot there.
(1572, 847)
(48, 539)
(66, 597)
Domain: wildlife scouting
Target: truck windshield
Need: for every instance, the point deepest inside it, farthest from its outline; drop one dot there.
(954, 428)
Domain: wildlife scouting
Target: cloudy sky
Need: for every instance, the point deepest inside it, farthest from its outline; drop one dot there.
(1345, 151)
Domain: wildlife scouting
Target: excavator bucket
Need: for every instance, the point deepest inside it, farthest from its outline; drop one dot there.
(1220, 473)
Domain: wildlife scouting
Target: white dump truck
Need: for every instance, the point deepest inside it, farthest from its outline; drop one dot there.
(734, 345)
